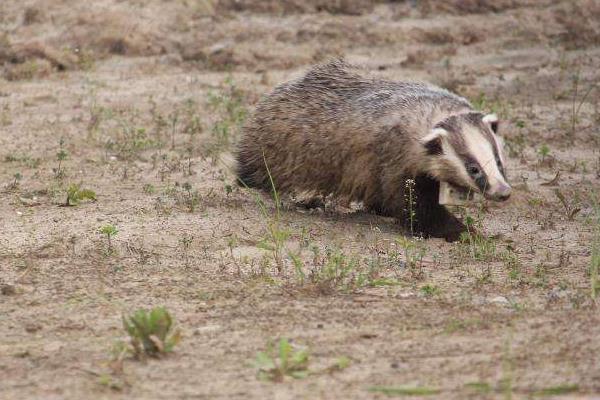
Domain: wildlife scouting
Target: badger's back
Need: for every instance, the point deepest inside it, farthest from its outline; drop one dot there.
(324, 131)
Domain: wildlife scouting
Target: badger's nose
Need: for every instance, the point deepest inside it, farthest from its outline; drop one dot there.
(502, 193)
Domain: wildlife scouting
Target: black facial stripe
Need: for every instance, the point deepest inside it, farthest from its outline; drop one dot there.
(481, 181)
(434, 147)
(450, 124)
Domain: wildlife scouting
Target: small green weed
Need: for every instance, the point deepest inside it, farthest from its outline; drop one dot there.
(336, 270)
(430, 290)
(109, 231)
(479, 387)
(149, 188)
(61, 156)
(281, 360)
(151, 333)
(75, 195)
(14, 185)
(472, 244)
(544, 152)
(557, 390)
(393, 391)
(185, 196)
(129, 140)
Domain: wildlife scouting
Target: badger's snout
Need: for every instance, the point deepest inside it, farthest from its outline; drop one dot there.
(500, 193)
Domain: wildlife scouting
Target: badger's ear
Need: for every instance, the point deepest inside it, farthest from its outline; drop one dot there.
(433, 142)
(492, 121)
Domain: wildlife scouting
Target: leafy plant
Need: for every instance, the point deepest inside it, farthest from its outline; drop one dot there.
(151, 333)
(75, 195)
(149, 188)
(129, 140)
(191, 197)
(543, 151)
(281, 360)
(430, 290)
(109, 231)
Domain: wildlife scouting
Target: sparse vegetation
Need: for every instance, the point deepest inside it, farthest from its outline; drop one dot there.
(430, 290)
(578, 101)
(544, 152)
(571, 208)
(280, 360)
(228, 105)
(60, 157)
(404, 390)
(75, 195)
(129, 112)
(151, 333)
(557, 390)
(109, 231)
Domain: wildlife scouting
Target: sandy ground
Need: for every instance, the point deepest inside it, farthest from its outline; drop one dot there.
(131, 98)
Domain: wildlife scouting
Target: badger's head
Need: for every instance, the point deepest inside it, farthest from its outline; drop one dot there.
(465, 151)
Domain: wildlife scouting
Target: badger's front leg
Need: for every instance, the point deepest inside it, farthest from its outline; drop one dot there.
(430, 219)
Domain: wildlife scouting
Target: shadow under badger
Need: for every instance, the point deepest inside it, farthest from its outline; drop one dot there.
(335, 131)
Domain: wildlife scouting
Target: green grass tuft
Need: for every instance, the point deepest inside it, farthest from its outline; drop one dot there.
(394, 391)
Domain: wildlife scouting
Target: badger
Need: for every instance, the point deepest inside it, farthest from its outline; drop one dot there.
(388, 144)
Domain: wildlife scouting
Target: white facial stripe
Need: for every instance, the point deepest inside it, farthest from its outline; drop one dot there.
(490, 118)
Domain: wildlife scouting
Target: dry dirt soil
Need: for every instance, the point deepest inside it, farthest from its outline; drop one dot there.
(142, 102)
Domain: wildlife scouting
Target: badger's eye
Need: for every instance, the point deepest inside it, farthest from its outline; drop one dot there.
(473, 170)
